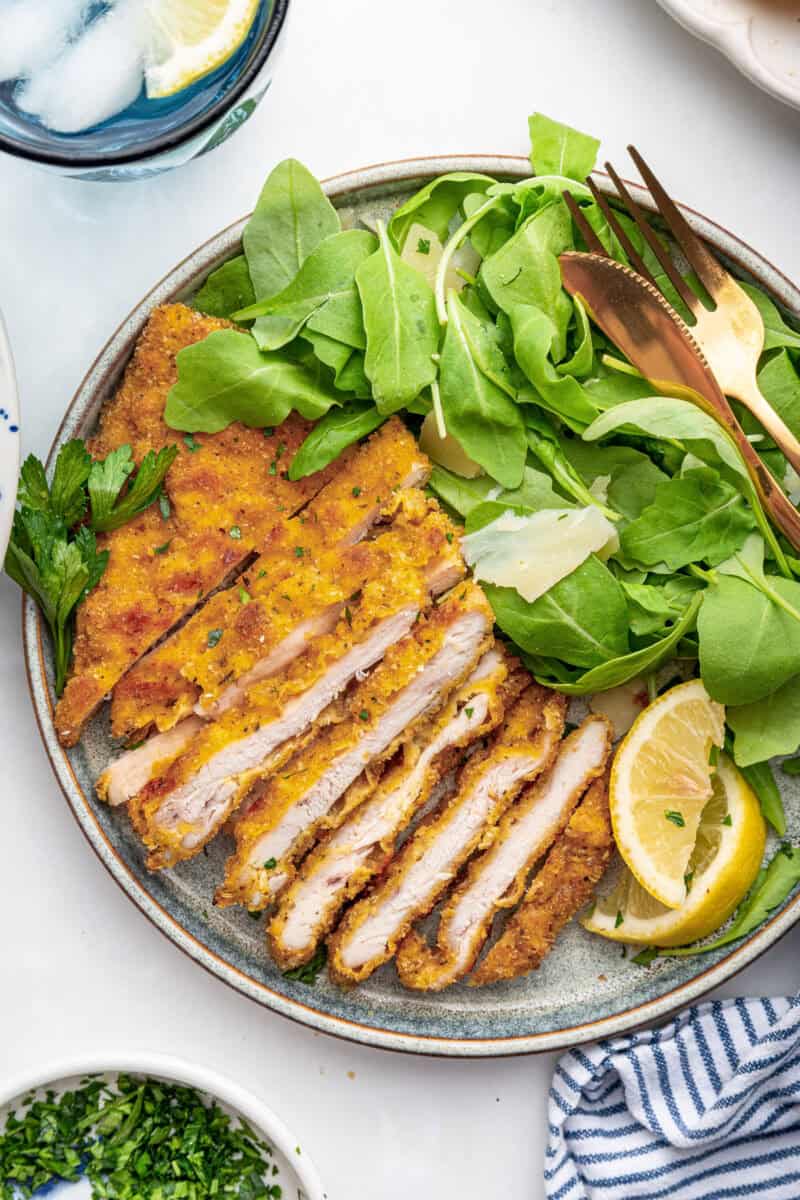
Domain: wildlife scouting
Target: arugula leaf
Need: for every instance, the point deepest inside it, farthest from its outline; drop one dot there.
(496, 225)
(582, 360)
(777, 333)
(563, 395)
(693, 519)
(620, 670)
(749, 644)
(292, 216)
(308, 972)
(478, 411)
(324, 288)
(461, 495)
(582, 619)
(525, 270)
(770, 890)
(67, 491)
(780, 383)
(106, 479)
(652, 608)
(435, 205)
(767, 727)
(226, 290)
(545, 446)
(557, 149)
(762, 781)
(337, 430)
(226, 378)
(401, 327)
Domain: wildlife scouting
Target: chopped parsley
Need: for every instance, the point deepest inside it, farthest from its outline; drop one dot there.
(348, 616)
(449, 537)
(268, 431)
(163, 548)
(190, 443)
(676, 817)
(618, 919)
(244, 596)
(424, 246)
(356, 491)
(164, 506)
(364, 714)
(235, 532)
(135, 1139)
(213, 637)
(469, 711)
(270, 864)
(279, 451)
(727, 819)
(687, 881)
(299, 551)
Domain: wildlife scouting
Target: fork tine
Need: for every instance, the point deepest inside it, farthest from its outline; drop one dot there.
(710, 273)
(678, 282)
(589, 236)
(635, 258)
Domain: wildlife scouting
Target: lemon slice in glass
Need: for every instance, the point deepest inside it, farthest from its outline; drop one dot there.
(722, 867)
(660, 784)
(188, 39)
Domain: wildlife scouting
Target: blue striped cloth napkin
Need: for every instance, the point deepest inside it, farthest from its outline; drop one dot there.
(706, 1108)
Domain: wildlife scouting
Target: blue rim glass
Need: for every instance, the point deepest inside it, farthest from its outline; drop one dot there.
(72, 156)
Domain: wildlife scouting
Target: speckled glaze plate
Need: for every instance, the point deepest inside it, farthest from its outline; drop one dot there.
(760, 37)
(9, 438)
(584, 990)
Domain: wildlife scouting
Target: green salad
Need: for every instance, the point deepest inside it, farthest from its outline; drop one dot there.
(613, 530)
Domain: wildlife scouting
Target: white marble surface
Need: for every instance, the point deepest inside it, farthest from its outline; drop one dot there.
(360, 81)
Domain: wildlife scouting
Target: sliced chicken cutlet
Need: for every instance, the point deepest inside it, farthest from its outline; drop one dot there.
(495, 879)
(186, 803)
(306, 605)
(341, 866)
(571, 871)
(222, 503)
(414, 679)
(240, 633)
(520, 750)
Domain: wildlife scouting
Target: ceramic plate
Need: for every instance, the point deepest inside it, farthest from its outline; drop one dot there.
(297, 1175)
(9, 438)
(760, 37)
(583, 991)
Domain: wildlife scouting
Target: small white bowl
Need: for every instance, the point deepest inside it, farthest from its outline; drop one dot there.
(297, 1174)
(9, 439)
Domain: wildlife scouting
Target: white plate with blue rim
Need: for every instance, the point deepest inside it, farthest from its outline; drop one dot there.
(289, 1164)
(760, 37)
(9, 438)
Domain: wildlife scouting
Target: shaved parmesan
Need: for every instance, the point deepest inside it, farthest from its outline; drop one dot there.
(422, 250)
(446, 451)
(534, 552)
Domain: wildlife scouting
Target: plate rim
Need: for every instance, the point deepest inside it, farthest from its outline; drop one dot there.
(733, 40)
(179, 282)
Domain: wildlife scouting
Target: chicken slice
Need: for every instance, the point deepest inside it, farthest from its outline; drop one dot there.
(185, 805)
(520, 750)
(495, 880)
(282, 582)
(571, 871)
(421, 541)
(414, 679)
(128, 774)
(342, 866)
(219, 511)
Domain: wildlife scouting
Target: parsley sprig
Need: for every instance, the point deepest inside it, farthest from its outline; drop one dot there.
(135, 1140)
(53, 553)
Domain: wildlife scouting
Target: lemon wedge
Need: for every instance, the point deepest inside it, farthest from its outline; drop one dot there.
(721, 869)
(660, 783)
(188, 40)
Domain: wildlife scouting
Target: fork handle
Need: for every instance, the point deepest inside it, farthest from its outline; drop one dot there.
(755, 401)
(772, 496)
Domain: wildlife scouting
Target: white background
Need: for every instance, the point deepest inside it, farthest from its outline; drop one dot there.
(361, 81)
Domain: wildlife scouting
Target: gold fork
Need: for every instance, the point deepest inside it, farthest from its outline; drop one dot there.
(731, 335)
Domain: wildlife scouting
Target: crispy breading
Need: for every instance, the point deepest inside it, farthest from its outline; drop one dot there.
(167, 683)
(413, 680)
(520, 750)
(222, 504)
(495, 879)
(571, 871)
(343, 863)
(187, 802)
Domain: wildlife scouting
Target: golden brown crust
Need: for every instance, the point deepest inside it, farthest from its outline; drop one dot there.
(289, 581)
(565, 883)
(219, 487)
(533, 728)
(361, 712)
(426, 968)
(501, 688)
